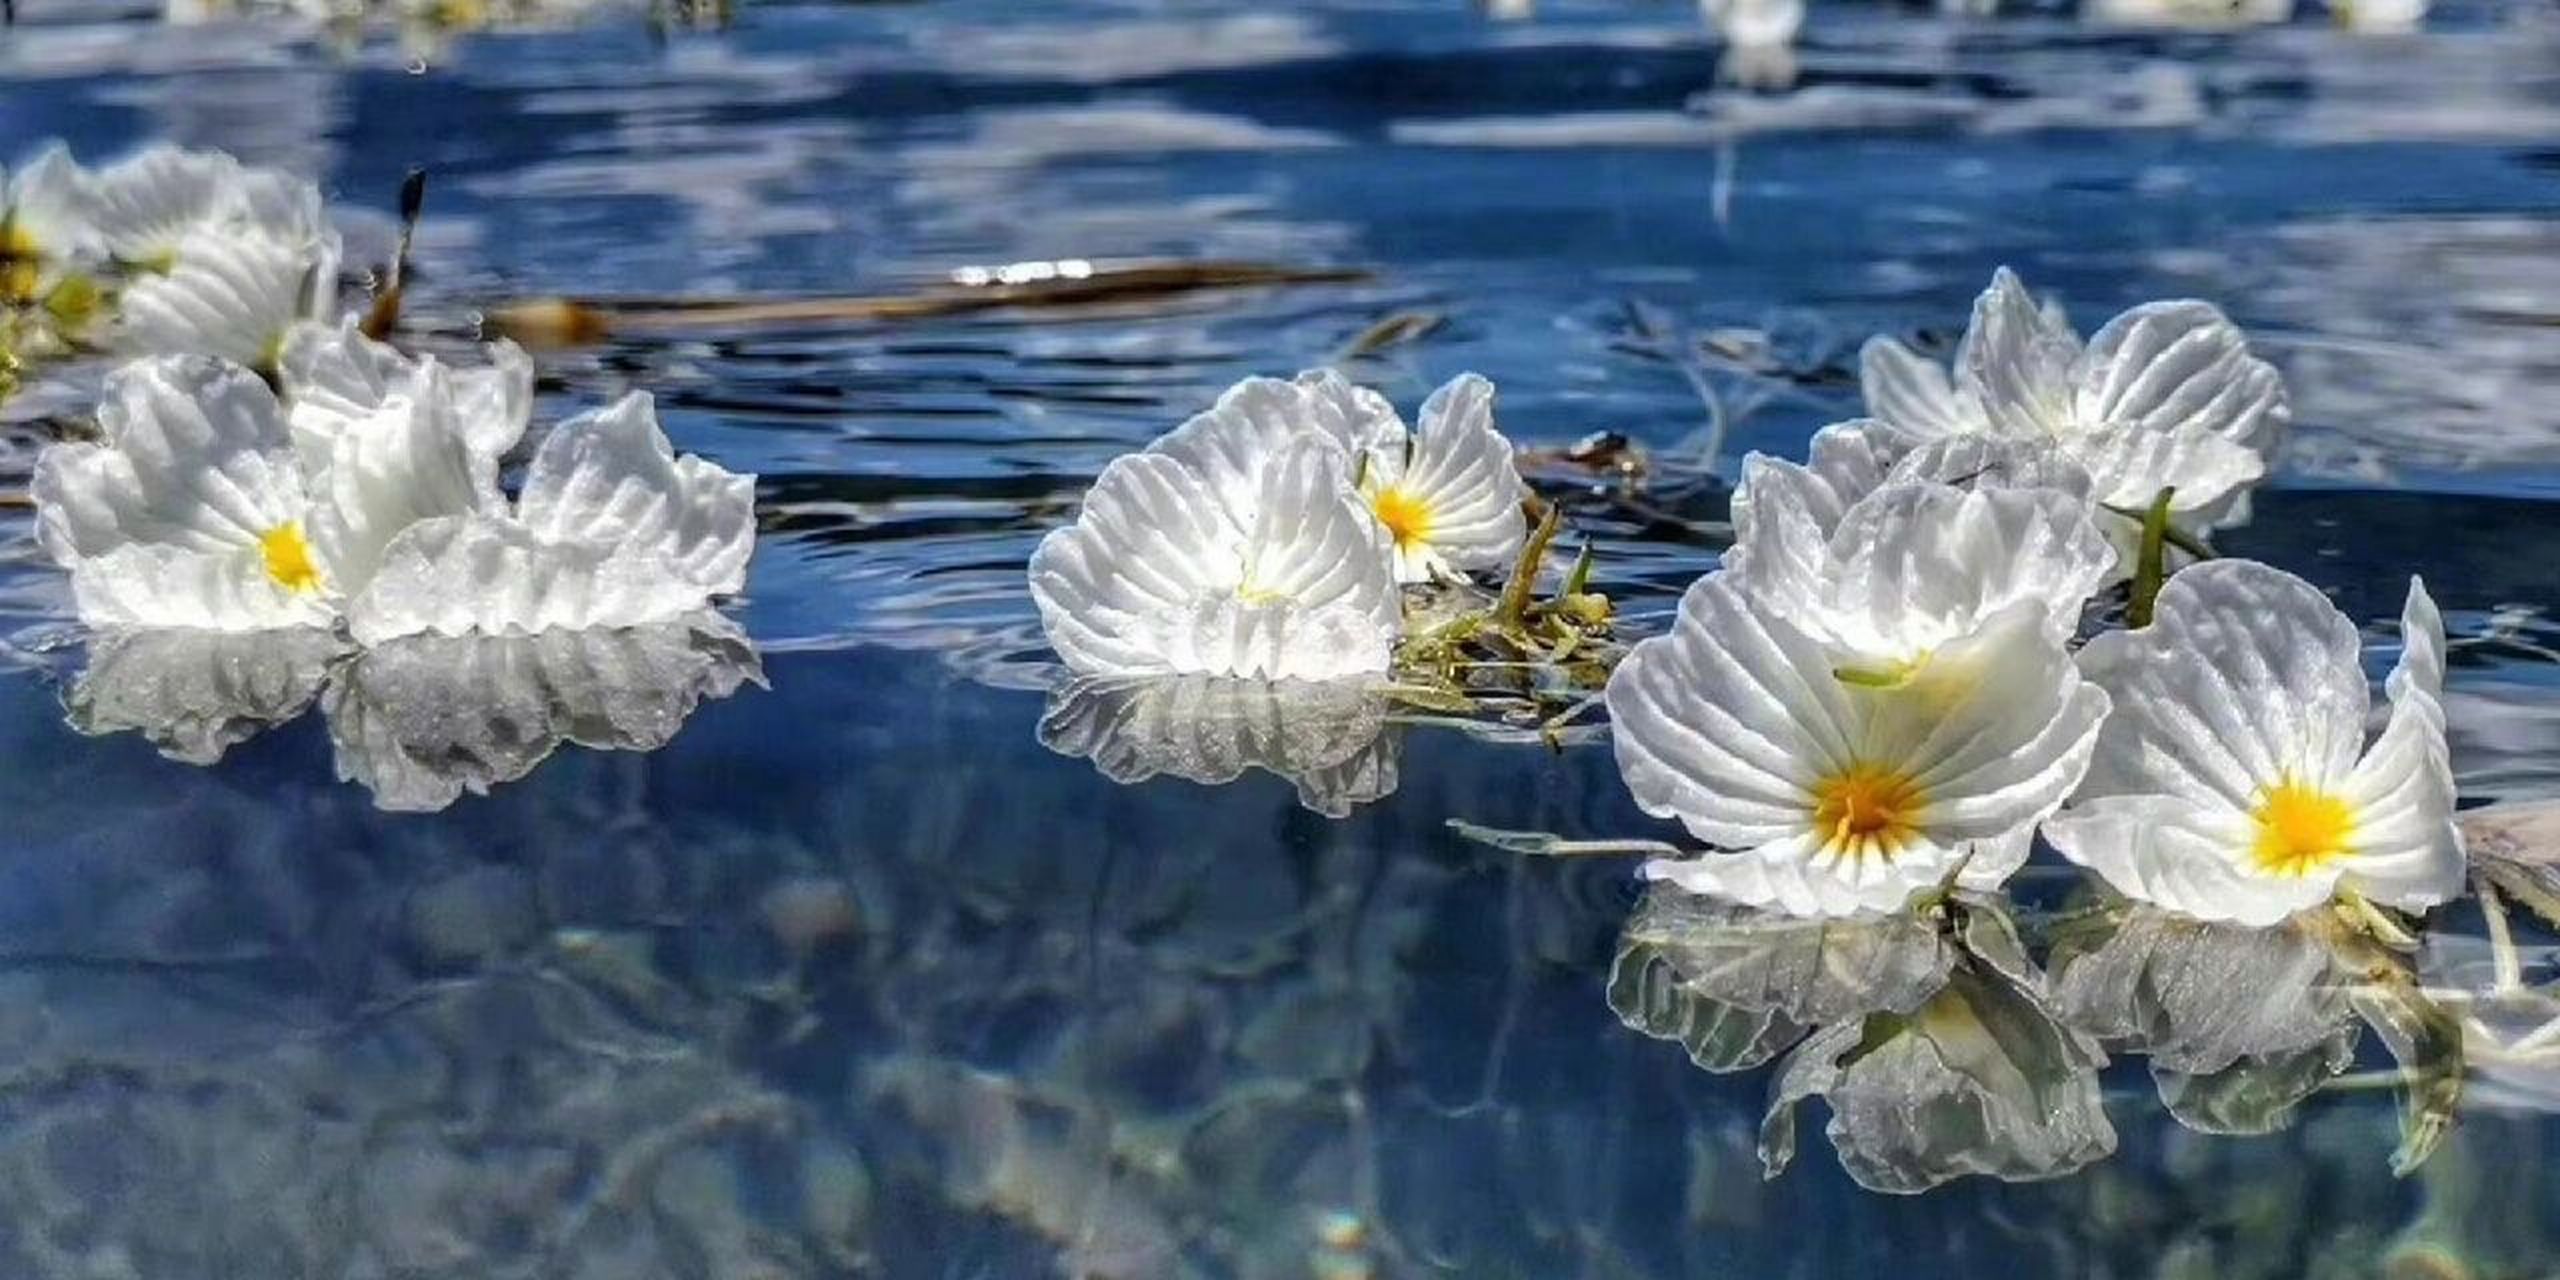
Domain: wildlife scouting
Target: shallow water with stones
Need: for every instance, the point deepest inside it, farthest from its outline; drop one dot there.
(859, 973)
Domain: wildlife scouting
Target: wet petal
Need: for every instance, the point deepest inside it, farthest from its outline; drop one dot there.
(459, 574)
(2177, 368)
(610, 478)
(229, 295)
(1915, 393)
(195, 457)
(2016, 365)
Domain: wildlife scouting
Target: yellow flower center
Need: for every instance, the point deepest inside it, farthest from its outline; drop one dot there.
(1867, 810)
(2301, 829)
(288, 557)
(20, 266)
(1407, 517)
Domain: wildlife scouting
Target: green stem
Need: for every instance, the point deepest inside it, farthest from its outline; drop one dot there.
(2151, 562)
(1514, 603)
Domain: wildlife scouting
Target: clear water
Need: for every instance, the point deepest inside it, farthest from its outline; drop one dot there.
(856, 976)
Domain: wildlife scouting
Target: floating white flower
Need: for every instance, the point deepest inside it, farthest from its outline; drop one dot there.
(612, 530)
(230, 294)
(2165, 396)
(1448, 493)
(44, 228)
(1852, 719)
(143, 209)
(1232, 546)
(217, 258)
(196, 512)
(2234, 782)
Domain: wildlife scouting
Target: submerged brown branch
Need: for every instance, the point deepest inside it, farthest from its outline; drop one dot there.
(564, 322)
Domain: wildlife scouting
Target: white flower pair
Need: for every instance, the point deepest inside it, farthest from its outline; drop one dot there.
(1266, 537)
(370, 495)
(2165, 397)
(1875, 697)
(192, 251)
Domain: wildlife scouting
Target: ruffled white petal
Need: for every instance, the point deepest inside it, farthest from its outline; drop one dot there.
(1732, 721)
(2129, 466)
(457, 575)
(2181, 854)
(609, 477)
(2408, 852)
(1164, 574)
(335, 376)
(48, 207)
(1912, 566)
(1915, 393)
(406, 461)
(2175, 368)
(1458, 469)
(2016, 364)
(2246, 676)
(230, 295)
(195, 458)
(143, 207)
(157, 585)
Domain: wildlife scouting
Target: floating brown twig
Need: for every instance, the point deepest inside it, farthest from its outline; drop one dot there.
(560, 322)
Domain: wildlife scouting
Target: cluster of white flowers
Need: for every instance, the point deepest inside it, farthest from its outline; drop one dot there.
(1877, 694)
(167, 252)
(368, 495)
(261, 470)
(1267, 537)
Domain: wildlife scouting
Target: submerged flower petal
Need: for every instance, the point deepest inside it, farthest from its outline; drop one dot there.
(195, 694)
(1327, 738)
(425, 719)
(2233, 783)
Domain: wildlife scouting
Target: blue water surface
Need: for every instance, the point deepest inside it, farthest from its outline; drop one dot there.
(870, 970)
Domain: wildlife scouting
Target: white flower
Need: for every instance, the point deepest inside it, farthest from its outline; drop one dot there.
(43, 224)
(612, 530)
(2165, 395)
(1448, 493)
(1852, 719)
(231, 294)
(2234, 782)
(195, 511)
(143, 209)
(1232, 546)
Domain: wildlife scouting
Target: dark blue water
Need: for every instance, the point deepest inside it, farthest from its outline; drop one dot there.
(855, 976)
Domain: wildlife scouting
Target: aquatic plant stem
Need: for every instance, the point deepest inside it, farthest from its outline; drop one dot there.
(2151, 561)
(1512, 608)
